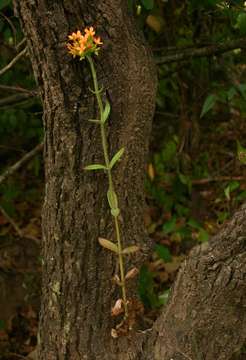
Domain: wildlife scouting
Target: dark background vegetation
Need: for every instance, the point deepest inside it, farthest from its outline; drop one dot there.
(195, 176)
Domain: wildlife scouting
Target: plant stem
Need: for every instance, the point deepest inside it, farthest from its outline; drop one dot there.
(110, 180)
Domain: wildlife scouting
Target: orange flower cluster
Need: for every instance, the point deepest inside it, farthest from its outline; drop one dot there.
(84, 45)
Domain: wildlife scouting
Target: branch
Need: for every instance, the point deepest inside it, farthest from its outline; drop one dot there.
(19, 45)
(20, 232)
(13, 61)
(14, 99)
(210, 50)
(27, 157)
(11, 221)
(18, 89)
(217, 179)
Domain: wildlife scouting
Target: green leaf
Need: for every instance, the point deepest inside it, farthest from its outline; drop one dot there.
(112, 199)
(148, 4)
(185, 180)
(138, 10)
(108, 245)
(241, 196)
(194, 224)
(96, 92)
(241, 153)
(115, 212)
(96, 121)
(106, 112)
(169, 151)
(203, 235)
(95, 167)
(233, 185)
(169, 226)
(130, 249)
(146, 288)
(116, 157)
(227, 192)
(164, 297)
(242, 90)
(163, 253)
(208, 104)
(231, 93)
(241, 23)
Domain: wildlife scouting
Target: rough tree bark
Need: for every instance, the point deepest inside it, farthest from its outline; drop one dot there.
(204, 318)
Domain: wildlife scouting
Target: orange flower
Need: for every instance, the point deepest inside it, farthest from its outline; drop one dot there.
(71, 50)
(75, 36)
(84, 45)
(97, 40)
(90, 31)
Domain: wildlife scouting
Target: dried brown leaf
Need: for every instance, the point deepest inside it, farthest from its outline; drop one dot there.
(114, 333)
(118, 308)
(132, 273)
(108, 245)
(130, 249)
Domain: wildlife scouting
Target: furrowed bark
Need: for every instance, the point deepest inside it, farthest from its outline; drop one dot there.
(205, 318)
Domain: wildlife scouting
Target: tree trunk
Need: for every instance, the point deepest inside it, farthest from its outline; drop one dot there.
(78, 293)
(205, 318)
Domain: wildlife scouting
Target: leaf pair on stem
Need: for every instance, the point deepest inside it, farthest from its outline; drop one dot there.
(113, 161)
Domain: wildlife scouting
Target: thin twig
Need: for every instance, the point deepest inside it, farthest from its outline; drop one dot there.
(18, 89)
(167, 114)
(217, 179)
(11, 221)
(12, 148)
(14, 99)
(13, 61)
(27, 157)
(210, 50)
(31, 237)
(19, 45)
(20, 233)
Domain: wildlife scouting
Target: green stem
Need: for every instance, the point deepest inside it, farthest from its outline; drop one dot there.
(110, 180)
